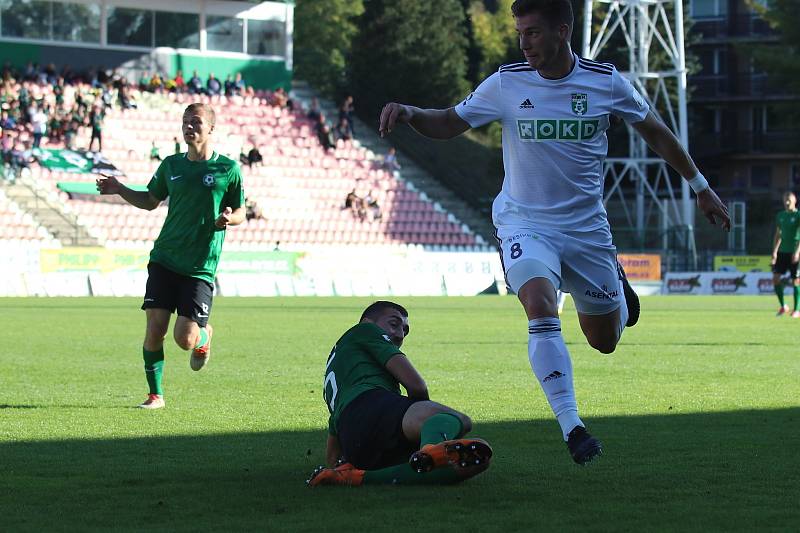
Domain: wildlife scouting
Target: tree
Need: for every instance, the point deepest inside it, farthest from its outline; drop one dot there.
(409, 51)
(324, 31)
(494, 34)
(784, 66)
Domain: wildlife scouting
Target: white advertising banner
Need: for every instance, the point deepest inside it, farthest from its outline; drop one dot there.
(718, 283)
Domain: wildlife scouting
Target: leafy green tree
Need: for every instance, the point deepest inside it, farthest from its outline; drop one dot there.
(323, 34)
(781, 64)
(494, 33)
(409, 51)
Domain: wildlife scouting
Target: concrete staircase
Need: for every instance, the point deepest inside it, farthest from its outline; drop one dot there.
(421, 180)
(49, 212)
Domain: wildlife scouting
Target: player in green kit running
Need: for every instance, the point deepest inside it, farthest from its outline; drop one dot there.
(786, 252)
(378, 436)
(205, 197)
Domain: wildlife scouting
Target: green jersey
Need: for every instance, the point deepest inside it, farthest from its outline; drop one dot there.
(788, 223)
(357, 364)
(198, 191)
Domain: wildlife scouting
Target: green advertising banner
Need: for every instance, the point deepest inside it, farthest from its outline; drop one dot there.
(259, 262)
(742, 263)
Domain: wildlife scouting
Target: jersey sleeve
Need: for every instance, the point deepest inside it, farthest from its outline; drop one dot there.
(158, 183)
(626, 102)
(483, 105)
(380, 347)
(234, 196)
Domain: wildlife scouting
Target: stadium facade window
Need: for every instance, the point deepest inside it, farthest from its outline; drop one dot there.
(709, 8)
(224, 34)
(760, 176)
(266, 37)
(130, 27)
(177, 30)
(78, 23)
(29, 19)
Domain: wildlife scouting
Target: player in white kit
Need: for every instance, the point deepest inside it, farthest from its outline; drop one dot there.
(551, 224)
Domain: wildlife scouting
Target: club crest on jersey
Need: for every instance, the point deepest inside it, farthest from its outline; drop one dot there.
(209, 180)
(580, 103)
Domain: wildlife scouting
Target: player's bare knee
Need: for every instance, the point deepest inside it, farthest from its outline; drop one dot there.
(185, 340)
(466, 423)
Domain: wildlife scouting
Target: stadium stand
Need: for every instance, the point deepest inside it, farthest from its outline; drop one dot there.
(300, 187)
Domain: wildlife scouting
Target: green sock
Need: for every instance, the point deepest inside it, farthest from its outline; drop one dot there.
(403, 474)
(153, 369)
(439, 427)
(796, 290)
(779, 292)
(203, 338)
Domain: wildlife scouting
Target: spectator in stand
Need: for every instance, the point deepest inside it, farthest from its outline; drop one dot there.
(7, 122)
(195, 84)
(107, 96)
(213, 86)
(56, 126)
(154, 155)
(38, 123)
(177, 145)
(254, 157)
(178, 83)
(252, 209)
(124, 97)
(156, 83)
(279, 98)
(356, 205)
(70, 132)
(346, 110)
(242, 156)
(144, 81)
(343, 130)
(96, 122)
(372, 206)
(238, 84)
(313, 111)
(229, 86)
(325, 137)
(390, 162)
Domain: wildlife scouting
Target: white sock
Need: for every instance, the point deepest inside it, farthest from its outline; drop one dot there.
(552, 366)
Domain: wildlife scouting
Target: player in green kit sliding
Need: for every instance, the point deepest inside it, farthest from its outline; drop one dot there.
(378, 436)
(786, 252)
(205, 197)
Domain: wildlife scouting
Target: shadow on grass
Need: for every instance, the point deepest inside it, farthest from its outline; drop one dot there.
(718, 471)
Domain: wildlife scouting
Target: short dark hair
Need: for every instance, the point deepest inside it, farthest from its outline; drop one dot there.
(376, 309)
(206, 109)
(555, 12)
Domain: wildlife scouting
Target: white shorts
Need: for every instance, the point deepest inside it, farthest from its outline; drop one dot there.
(583, 264)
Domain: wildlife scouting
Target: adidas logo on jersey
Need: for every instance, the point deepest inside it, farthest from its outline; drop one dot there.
(545, 129)
(526, 104)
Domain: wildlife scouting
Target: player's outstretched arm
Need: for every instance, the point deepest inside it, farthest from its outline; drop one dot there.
(663, 142)
(433, 123)
(140, 199)
(403, 371)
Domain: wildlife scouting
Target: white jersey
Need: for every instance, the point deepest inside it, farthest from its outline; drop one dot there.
(554, 140)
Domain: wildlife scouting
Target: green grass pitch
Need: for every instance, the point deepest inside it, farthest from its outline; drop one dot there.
(698, 410)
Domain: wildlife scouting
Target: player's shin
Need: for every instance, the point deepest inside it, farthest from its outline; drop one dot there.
(153, 369)
(552, 366)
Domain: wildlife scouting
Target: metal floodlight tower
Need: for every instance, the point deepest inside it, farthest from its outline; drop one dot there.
(645, 24)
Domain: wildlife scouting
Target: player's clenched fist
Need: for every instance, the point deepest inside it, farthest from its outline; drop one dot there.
(224, 218)
(108, 185)
(393, 113)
